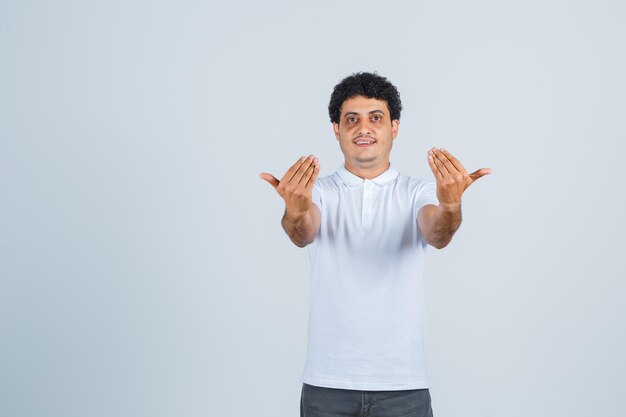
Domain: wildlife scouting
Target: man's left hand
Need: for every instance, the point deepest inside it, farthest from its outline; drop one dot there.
(451, 177)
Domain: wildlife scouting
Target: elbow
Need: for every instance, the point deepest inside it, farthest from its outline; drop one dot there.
(303, 242)
(438, 245)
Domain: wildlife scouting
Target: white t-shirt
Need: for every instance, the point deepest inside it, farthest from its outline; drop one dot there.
(366, 295)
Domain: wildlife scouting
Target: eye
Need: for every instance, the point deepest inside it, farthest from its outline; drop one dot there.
(377, 118)
(351, 119)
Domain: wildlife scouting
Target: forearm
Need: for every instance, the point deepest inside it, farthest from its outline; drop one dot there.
(301, 228)
(443, 224)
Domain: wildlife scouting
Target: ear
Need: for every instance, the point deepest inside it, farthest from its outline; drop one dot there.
(336, 130)
(394, 127)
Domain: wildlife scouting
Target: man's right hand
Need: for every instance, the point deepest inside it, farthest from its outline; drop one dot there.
(302, 218)
(296, 185)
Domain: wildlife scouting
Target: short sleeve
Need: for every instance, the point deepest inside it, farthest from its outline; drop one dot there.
(426, 194)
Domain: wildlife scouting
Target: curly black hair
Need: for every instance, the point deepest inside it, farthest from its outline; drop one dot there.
(370, 85)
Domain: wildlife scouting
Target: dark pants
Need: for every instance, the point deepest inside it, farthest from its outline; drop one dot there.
(333, 402)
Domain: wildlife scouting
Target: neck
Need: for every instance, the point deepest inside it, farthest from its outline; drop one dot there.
(367, 173)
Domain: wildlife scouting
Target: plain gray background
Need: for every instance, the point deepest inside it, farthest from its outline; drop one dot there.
(143, 268)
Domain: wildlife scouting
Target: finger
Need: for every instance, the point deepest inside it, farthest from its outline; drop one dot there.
(479, 173)
(313, 178)
(292, 170)
(457, 164)
(444, 161)
(433, 167)
(297, 177)
(270, 178)
(443, 172)
(307, 174)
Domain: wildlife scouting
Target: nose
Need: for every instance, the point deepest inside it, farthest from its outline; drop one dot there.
(364, 127)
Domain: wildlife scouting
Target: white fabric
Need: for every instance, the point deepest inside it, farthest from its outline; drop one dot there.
(367, 315)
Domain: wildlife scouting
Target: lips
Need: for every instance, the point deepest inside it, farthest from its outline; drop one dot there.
(364, 141)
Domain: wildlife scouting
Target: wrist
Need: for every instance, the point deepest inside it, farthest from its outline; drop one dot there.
(294, 215)
(450, 207)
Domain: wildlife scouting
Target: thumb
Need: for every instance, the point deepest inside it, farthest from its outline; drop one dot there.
(479, 173)
(269, 178)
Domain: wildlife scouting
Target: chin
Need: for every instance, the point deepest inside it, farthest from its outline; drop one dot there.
(366, 160)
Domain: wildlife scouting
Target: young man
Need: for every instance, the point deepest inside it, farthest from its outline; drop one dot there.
(367, 228)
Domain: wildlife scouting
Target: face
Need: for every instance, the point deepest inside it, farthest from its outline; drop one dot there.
(365, 133)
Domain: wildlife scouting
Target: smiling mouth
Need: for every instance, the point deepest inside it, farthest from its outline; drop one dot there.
(364, 141)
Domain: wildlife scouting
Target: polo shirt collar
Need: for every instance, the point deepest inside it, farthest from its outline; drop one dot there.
(350, 179)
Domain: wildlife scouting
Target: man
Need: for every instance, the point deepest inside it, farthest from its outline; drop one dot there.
(367, 228)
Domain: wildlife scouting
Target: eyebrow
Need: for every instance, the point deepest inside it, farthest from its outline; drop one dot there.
(351, 113)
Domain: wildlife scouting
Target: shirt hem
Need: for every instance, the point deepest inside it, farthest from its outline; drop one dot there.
(366, 386)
